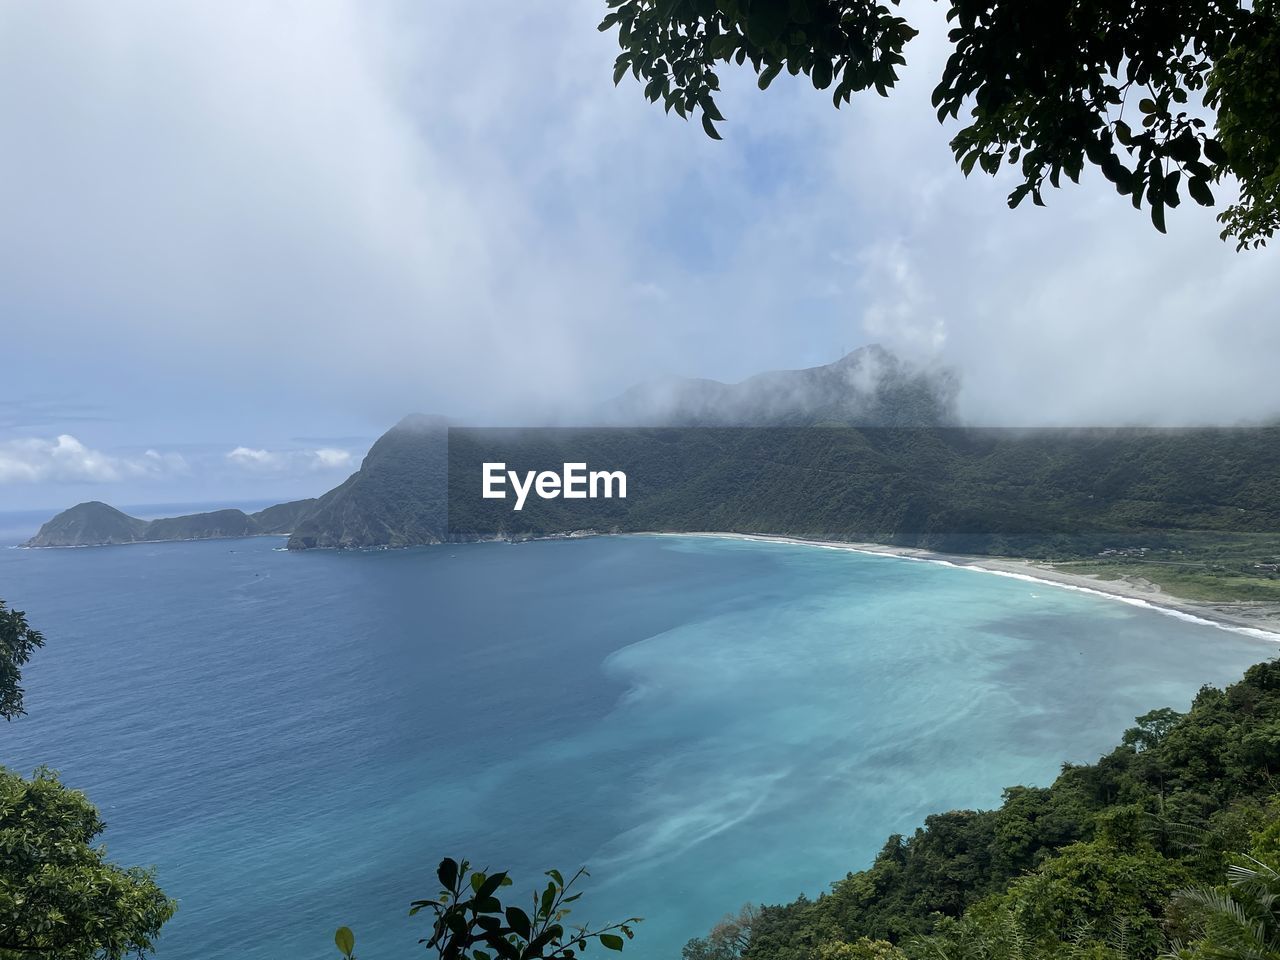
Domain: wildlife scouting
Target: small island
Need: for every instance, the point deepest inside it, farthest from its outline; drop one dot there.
(99, 524)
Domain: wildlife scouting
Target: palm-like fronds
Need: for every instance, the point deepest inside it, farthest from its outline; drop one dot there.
(1239, 922)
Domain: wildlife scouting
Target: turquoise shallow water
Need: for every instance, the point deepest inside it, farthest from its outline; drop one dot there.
(294, 740)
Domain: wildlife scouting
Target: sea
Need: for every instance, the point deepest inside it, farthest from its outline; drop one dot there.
(294, 740)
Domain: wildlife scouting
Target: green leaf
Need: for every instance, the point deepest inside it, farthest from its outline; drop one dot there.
(722, 47)
(490, 886)
(767, 75)
(1147, 105)
(821, 74)
(766, 21)
(518, 920)
(448, 872)
(611, 940)
(710, 128)
(1214, 152)
(346, 941)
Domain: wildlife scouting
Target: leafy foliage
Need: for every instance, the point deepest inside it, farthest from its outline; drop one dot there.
(1238, 921)
(59, 897)
(1048, 88)
(1245, 89)
(17, 642)
(471, 922)
(728, 939)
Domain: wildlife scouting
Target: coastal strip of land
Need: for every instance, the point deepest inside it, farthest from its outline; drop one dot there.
(1260, 619)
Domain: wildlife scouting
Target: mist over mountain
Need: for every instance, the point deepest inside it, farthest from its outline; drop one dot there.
(870, 387)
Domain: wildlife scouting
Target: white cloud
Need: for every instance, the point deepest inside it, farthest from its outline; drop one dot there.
(331, 459)
(64, 459)
(314, 220)
(278, 462)
(899, 313)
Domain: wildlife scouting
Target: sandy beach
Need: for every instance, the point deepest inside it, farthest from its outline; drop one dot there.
(1258, 619)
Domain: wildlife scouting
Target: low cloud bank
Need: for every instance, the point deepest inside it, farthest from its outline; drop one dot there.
(64, 459)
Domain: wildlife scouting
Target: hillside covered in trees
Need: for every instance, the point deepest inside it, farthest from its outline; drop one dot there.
(1030, 493)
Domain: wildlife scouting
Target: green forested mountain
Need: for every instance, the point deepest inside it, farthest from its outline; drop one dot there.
(96, 524)
(1123, 858)
(963, 490)
(1054, 493)
(89, 523)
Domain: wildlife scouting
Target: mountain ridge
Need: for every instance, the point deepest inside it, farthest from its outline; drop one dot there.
(94, 523)
(868, 387)
(399, 495)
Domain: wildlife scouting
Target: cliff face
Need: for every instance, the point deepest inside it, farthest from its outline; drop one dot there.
(398, 497)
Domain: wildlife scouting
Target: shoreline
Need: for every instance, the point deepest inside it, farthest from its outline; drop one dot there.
(1256, 619)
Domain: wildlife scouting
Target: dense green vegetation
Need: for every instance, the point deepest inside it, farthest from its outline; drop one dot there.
(1123, 858)
(59, 895)
(1053, 494)
(1049, 89)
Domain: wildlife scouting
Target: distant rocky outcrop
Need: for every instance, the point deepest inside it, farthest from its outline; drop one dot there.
(99, 524)
(89, 523)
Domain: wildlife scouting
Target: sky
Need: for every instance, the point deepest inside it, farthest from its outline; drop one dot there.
(241, 240)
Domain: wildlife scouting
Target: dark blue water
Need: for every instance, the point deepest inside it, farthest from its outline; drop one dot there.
(295, 740)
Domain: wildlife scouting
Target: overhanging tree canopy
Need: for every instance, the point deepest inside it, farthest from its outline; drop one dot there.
(1127, 86)
(59, 895)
